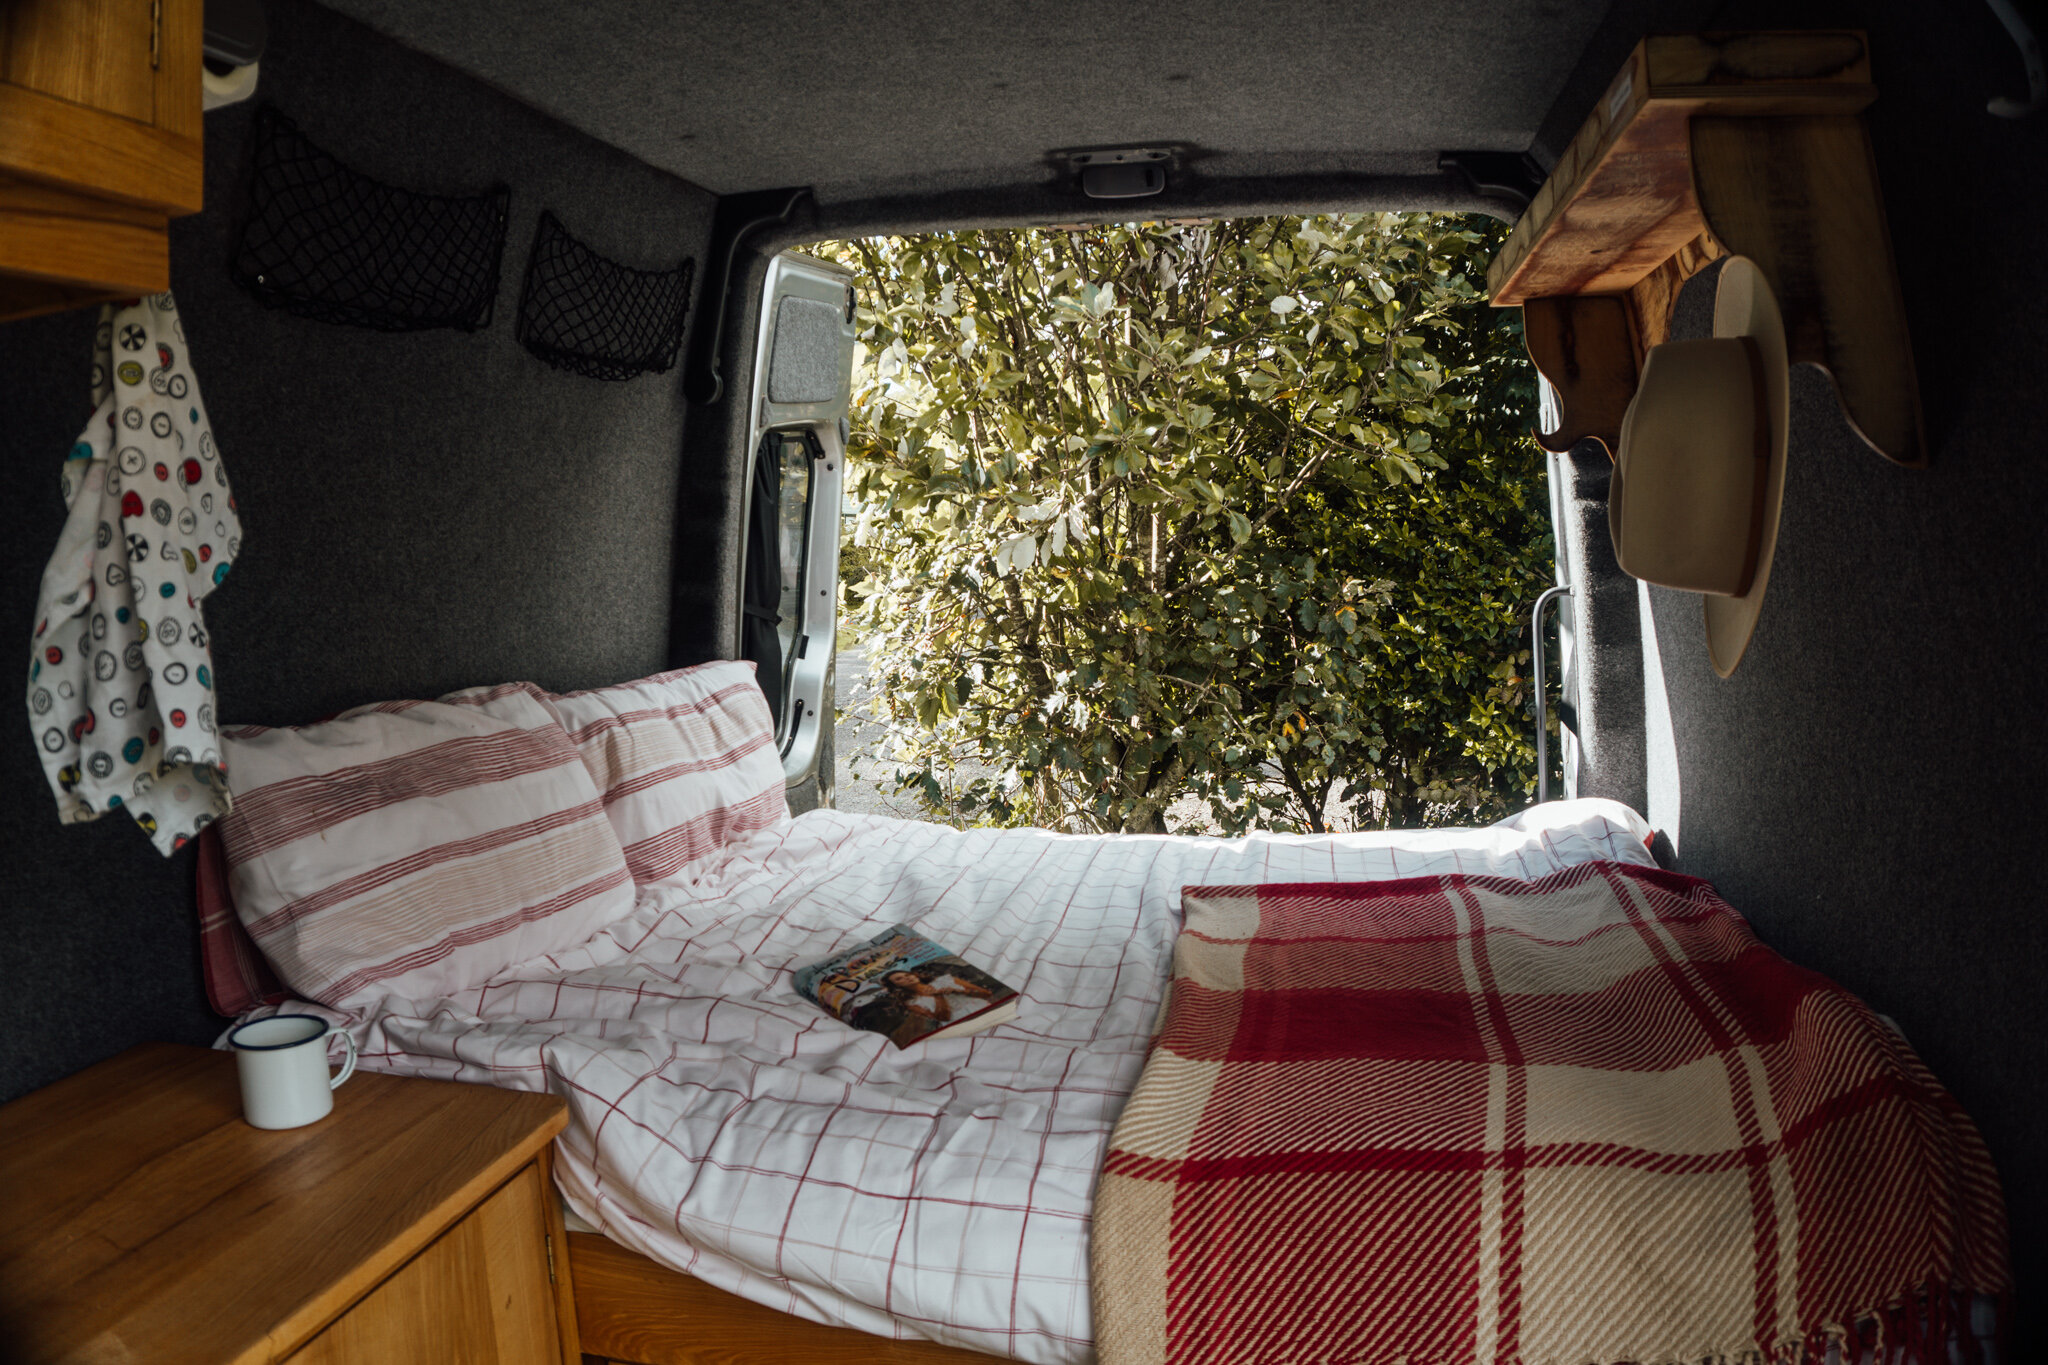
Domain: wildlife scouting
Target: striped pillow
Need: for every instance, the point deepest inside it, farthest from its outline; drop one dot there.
(414, 849)
(686, 761)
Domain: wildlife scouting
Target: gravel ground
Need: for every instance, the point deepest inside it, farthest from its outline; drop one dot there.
(857, 774)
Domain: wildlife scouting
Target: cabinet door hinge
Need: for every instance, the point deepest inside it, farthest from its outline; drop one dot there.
(156, 33)
(549, 1239)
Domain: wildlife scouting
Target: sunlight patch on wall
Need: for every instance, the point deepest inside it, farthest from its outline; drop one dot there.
(1660, 743)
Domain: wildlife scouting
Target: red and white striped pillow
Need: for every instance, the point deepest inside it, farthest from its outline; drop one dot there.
(414, 849)
(686, 761)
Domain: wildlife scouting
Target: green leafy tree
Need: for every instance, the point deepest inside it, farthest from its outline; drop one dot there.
(1244, 511)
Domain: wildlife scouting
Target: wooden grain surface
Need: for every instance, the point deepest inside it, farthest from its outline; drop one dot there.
(146, 1221)
(1620, 200)
(91, 245)
(557, 1236)
(1651, 299)
(1584, 346)
(478, 1296)
(1591, 347)
(180, 109)
(632, 1309)
(81, 105)
(98, 53)
(1800, 197)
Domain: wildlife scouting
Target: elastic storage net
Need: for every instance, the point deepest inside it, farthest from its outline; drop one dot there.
(326, 242)
(596, 317)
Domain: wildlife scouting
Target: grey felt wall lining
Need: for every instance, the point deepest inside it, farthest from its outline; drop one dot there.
(804, 366)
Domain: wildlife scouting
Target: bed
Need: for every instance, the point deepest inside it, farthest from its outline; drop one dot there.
(723, 1126)
(756, 1177)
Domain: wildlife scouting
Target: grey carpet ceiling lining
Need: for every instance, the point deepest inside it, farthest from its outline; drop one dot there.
(929, 99)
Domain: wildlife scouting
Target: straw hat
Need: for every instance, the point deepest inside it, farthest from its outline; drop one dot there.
(1700, 475)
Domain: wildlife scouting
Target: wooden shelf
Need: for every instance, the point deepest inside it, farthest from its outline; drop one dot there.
(1704, 146)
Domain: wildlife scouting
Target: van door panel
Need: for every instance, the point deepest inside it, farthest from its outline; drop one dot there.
(803, 374)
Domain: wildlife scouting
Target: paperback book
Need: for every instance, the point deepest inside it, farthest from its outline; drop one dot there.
(907, 988)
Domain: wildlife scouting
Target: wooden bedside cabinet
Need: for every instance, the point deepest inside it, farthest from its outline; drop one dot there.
(142, 1220)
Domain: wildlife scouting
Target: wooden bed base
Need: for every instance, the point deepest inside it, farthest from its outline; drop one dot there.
(631, 1309)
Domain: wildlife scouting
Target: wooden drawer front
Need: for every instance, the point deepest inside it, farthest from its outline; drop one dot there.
(68, 238)
(478, 1296)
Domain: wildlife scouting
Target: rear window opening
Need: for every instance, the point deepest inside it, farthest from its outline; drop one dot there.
(1197, 526)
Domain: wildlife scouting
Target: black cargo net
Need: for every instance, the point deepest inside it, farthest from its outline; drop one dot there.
(596, 317)
(325, 242)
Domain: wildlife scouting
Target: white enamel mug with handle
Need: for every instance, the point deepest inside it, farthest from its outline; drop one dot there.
(283, 1064)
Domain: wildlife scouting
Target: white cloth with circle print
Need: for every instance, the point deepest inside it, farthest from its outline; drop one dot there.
(120, 690)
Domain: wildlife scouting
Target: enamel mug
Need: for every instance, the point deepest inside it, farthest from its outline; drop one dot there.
(283, 1062)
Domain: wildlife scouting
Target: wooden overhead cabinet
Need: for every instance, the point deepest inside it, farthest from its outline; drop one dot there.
(100, 146)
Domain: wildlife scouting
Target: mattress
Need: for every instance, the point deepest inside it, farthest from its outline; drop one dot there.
(726, 1127)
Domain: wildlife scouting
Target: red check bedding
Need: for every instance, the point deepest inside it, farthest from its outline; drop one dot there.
(1586, 1118)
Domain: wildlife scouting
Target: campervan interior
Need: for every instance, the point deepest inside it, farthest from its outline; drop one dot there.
(427, 508)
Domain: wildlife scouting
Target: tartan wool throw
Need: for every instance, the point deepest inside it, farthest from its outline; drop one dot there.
(1584, 1119)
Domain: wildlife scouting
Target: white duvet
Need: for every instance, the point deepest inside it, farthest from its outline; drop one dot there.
(725, 1126)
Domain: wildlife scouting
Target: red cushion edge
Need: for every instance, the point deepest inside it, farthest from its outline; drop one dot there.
(238, 979)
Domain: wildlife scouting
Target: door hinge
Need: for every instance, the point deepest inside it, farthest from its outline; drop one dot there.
(156, 34)
(548, 1238)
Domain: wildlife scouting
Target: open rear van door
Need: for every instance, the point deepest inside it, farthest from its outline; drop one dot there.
(803, 375)
(1567, 666)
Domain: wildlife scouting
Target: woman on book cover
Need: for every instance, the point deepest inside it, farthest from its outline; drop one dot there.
(928, 992)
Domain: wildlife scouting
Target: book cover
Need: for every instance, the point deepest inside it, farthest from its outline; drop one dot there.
(904, 986)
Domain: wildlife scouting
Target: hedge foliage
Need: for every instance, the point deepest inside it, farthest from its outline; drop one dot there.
(1245, 511)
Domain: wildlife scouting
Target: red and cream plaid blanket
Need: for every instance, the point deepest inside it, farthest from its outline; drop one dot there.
(1591, 1118)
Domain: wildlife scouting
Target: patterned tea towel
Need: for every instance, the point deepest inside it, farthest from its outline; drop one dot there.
(120, 689)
